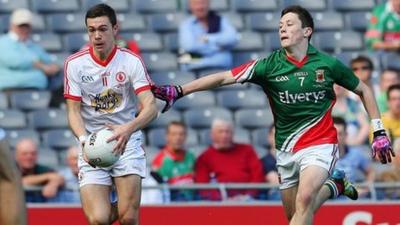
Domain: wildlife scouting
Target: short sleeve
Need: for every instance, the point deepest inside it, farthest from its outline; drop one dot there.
(72, 89)
(343, 76)
(252, 71)
(140, 78)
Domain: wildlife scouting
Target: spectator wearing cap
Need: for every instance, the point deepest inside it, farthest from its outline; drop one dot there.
(23, 63)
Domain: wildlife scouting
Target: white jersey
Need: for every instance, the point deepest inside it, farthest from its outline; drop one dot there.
(106, 89)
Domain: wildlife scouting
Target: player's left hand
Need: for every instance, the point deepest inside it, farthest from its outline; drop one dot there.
(382, 147)
(121, 135)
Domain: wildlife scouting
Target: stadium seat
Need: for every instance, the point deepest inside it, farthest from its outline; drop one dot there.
(171, 42)
(15, 135)
(30, 100)
(165, 22)
(4, 23)
(254, 5)
(236, 99)
(48, 157)
(146, 41)
(311, 5)
(260, 150)
(339, 41)
(73, 42)
(240, 135)
(346, 57)
(10, 5)
(272, 38)
(243, 57)
(391, 61)
(38, 24)
(131, 22)
(358, 20)
(328, 21)
(163, 61)
(172, 77)
(259, 137)
(59, 58)
(50, 118)
(3, 100)
(49, 41)
(197, 150)
(12, 119)
(58, 139)
(263, 21)
(196, 100)
(219, 5)
(151, 152)
(235, 19)
(203, 117)
(249, 41)
(253, 118)
(71, 22)
(165, 118)
(52, 6)
(156, 6)
(353, 5)
(117, 5)
(156, 137)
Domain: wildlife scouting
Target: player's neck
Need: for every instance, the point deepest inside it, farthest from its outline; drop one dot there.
(102, 56)
(298, 51)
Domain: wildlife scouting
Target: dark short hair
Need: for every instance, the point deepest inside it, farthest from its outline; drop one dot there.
(304, 16)
(339, 121)
(176, 123)
(362, 59)
(102, 10)
(391, 88)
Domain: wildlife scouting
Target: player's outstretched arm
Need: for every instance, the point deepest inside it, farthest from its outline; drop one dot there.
(381, 145)
(171, 93)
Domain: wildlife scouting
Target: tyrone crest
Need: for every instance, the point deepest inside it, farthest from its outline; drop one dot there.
(320, 76)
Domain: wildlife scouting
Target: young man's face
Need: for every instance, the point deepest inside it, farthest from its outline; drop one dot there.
(176, 136)
(101, 34)
(362, 71)
(290, 31)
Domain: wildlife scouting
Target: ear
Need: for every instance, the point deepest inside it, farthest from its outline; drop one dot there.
(115, 29)
(307, 31)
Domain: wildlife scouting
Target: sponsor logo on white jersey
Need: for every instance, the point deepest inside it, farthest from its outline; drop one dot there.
(106, 102)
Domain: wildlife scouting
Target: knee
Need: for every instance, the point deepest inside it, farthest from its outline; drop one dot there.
(99, 219)
(304, 200)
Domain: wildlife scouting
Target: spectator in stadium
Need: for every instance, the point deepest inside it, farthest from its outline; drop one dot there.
(298, 80)
(34, 174)
(12, 201)
(363, 67)
(205, 39)
(384, 27)
(391, 118)
(174, 164)
(352, 160)
(387, 78)
(24, 64)
(358, 127)
(269, 165)
(392, 174)
(227, 162)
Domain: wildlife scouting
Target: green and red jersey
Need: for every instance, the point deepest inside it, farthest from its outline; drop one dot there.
(384, 25)
(300, 93)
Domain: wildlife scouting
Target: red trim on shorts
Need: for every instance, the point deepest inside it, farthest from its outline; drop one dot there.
(144, 88)
(75, 98)
(300, 63)
(105, 62)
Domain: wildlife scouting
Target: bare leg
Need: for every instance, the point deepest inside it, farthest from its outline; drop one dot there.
(128, 188)
(11, 191)
(289, 201)
(96, 204)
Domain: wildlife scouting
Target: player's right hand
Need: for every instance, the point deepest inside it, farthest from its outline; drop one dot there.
(82, 140)
(167, 93)
(381, 146)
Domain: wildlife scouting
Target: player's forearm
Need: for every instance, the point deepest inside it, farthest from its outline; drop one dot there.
(368, 99)
(75, 119)
(208, 82)
(147, 114)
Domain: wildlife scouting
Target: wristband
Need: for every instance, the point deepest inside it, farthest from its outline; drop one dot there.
(82, 138)
(377, 124)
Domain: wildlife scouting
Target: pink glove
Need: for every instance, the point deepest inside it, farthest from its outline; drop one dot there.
(381, 146)
(167, 93)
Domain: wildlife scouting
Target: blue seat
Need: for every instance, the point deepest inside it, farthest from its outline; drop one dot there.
(311, 5)
(219, 5)
(156, 137)
(235, 19)
(163, 61)
(166, 22)
(49, 41)
(51, 6)
(48, 157)
(243, 57)
(263, 21)
(131, 22)
(38, 23)
(171, 42)
(3, 100)
(30, 100)
(201, 99)
(328, 21)
(358, 20)
(117, 5)
(172, 77)
(73, 42)
(340, 41)
(272, 38)
(249, 41)
(165, 118)
(253, 118)
(198, 149)
(71, 22)
(353, 5)
(12, 119)
(391, 61)
(147, 42)
(203, 117)
(15, 135)
(240, 135)
(260, 150)
(59, 57)
(156, 6)
(58, 139)
(11, 5)
(151, 152)
(254, 5)
(346, 57)
(259, 137)
(237, 99)
(50, 118)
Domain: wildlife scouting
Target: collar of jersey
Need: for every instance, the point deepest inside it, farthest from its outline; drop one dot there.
(310, 51)
(105, 62)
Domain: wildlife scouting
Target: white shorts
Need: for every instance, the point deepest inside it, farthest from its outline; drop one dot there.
(290, 164)
(129, 163)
